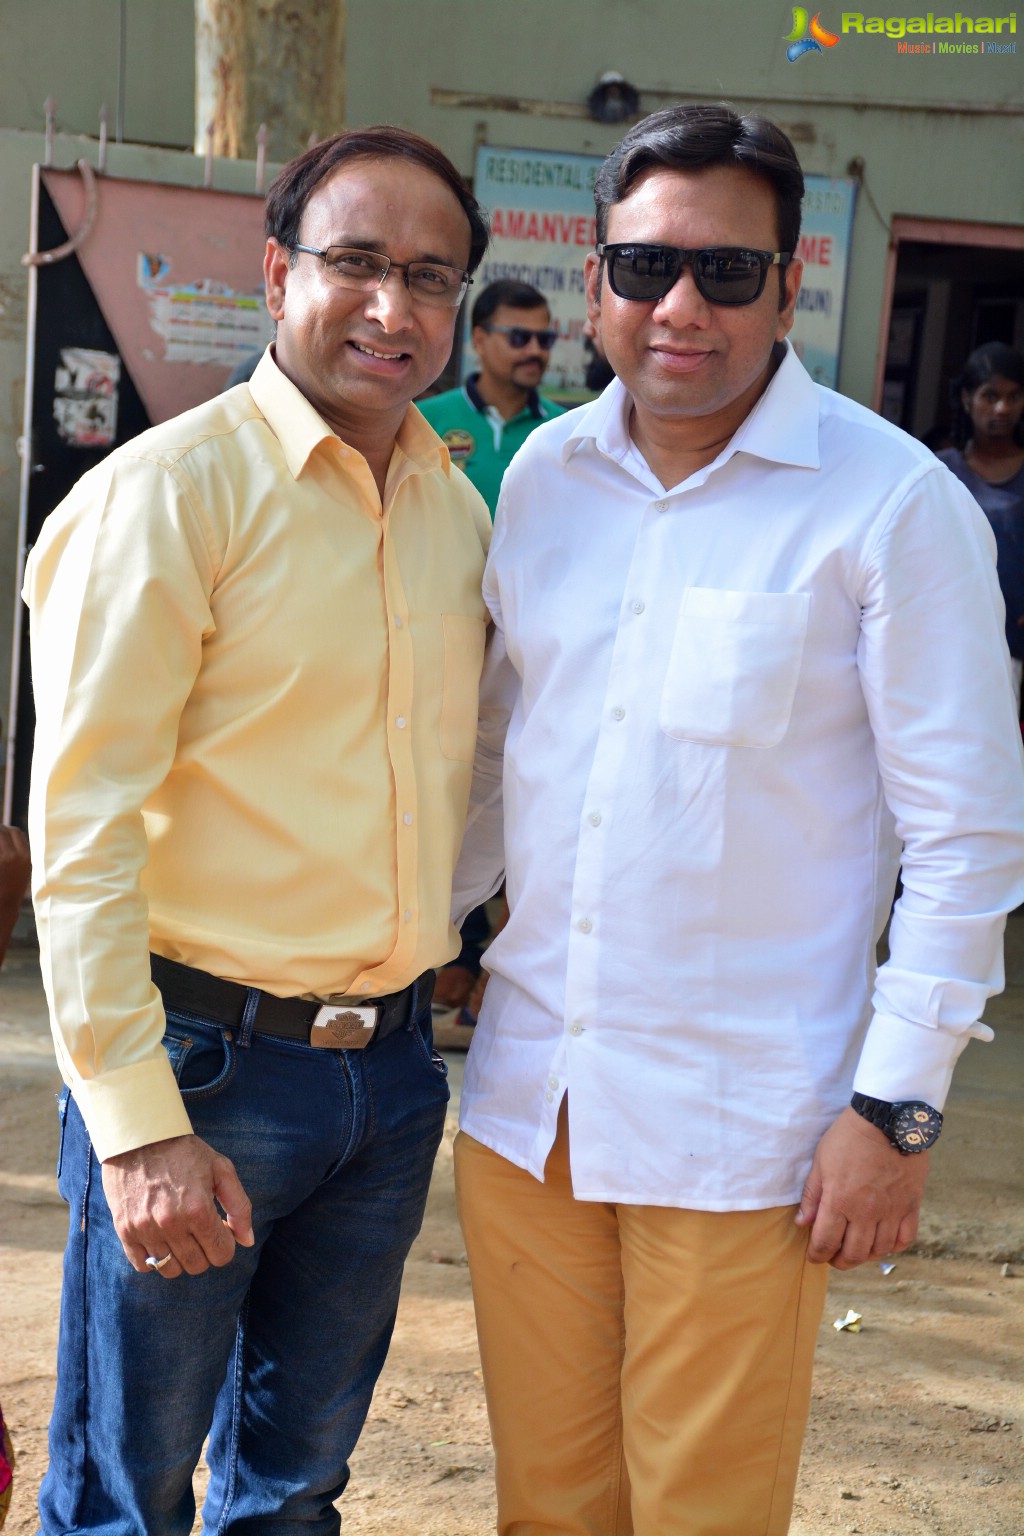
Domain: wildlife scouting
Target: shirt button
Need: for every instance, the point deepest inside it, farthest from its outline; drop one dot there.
(618, 713)
(638, 606)
(408, 915)
(594, 818)
(661, 506)
(400, 722)
(407, 818)
(398, 621)
(550, 1097)
(575, 1029)
(365, 986)
(552, 1082)
(584, 925)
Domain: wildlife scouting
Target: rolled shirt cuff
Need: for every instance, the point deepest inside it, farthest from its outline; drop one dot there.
(131, 1107)
(904, 1060)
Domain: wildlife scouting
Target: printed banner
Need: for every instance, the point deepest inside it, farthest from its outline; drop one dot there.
(204, 321)
(824, 249)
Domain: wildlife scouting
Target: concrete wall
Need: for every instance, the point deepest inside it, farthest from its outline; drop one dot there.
(71, 50)
(402, 51)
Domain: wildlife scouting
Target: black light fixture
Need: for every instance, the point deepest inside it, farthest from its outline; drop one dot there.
(613, 99)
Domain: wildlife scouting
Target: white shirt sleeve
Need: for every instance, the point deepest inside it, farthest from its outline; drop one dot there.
(481, 865)
(935, 673)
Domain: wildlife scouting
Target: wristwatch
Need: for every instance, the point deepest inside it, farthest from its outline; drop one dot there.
(911, 1125)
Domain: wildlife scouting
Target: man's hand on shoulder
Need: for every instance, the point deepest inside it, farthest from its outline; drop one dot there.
(862, 1198)
(161, 1197)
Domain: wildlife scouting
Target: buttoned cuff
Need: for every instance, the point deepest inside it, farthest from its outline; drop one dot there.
(901, 1060)
(131, 1107)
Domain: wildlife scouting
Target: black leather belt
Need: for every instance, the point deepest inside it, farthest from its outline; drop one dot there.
(338, 1025)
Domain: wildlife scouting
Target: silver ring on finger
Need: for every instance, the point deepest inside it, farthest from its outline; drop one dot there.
(155, 1263)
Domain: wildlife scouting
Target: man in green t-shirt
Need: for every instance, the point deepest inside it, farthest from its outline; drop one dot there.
(484, 422)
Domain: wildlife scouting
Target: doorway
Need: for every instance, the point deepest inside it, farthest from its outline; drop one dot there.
(950, 286)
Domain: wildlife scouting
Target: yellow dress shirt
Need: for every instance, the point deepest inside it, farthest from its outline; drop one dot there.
(256, 701)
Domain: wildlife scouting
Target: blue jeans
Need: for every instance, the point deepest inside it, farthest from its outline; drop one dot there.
(275, 1355)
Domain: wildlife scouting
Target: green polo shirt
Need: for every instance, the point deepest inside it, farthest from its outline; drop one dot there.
(478, 438)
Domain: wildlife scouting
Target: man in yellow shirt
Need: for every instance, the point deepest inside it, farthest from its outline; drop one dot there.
(257, 633)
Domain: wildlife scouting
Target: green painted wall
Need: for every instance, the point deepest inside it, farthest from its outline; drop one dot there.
(71, 50)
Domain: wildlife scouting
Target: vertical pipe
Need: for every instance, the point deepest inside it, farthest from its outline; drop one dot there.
(261, 156)
(27, 455)
(50, 108)
(122, 72)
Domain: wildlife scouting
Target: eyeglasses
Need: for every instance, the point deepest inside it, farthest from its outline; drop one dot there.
(429, 282)
(723, 274)
(519, 336)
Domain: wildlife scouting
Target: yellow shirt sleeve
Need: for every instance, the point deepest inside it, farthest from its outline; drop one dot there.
(118, 586)
(256, 685)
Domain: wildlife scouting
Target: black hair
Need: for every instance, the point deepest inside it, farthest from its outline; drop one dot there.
(992, 360)
(293, 185)
(509, 292)
(695, 137)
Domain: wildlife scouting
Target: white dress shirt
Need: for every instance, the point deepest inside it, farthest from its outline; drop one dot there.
(729, 706)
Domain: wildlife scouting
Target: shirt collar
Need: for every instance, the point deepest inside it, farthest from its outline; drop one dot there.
(421, 444)
(533, 401)
(300, 428)
(782, 427)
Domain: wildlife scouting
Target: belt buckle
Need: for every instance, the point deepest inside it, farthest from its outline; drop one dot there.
(344, 1026)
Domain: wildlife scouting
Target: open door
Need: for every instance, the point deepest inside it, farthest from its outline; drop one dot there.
(950, 286)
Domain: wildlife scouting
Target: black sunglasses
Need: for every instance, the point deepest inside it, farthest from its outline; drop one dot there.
(723, 274)
(520, 336)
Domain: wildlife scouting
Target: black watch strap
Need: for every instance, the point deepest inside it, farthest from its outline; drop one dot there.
(878, 1111)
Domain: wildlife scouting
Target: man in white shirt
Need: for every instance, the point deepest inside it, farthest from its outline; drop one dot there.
(748, 658)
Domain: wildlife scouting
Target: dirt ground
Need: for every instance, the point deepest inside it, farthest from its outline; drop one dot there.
(916, 1425)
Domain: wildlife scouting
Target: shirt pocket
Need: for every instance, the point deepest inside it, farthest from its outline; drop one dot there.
(460, 697)
(735, 663)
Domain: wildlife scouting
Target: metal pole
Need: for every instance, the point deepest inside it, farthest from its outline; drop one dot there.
(27, 468)
(50, 108)
(261, 156)
(122, 72)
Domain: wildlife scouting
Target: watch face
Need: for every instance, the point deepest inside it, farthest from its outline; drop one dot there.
(915, 1127)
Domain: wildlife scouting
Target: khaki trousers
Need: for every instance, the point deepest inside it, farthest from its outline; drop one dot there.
(647, 1370)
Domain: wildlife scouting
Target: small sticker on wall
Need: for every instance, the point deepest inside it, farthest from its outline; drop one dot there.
(85, 397)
